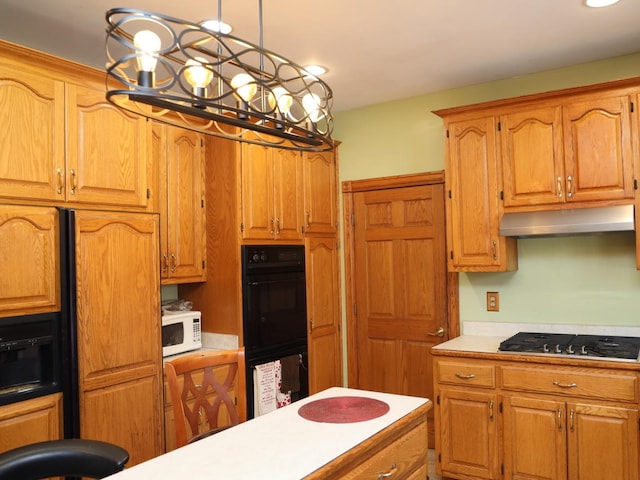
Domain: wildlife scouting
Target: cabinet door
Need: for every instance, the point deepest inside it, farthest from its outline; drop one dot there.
(106, 151)
(32, 135)
(258, 217)
(535, 439)
(288, 200)
(185, 206)
(29, 268)
(323, 307)
(320, 193)
(30, 421)
(532, 157)
(468, 433)
(473, 237)
(598, 151)
(612, 433)
(118, 331)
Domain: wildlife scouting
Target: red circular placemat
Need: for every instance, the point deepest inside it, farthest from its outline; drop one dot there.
(343, 409)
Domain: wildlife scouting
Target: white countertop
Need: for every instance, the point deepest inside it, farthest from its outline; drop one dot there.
(280, 445)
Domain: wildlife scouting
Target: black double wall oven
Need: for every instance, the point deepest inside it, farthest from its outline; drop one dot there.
(274, 311)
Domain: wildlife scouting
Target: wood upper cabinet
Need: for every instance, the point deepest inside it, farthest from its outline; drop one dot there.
(118, 331)
(29, 265)
(179, 154)
(63, 142)
(30, 421)
(320, 192)
(576, 151)
(472, 208)
(32, 157)
(271, 193)
(323, 312)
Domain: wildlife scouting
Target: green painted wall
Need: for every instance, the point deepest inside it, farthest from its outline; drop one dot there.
(579, 280)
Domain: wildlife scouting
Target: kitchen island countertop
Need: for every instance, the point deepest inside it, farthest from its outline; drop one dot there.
(280, 445)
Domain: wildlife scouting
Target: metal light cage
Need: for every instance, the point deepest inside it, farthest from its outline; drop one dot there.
(165, 93)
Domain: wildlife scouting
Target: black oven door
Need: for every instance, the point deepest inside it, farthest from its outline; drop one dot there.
(275, 310)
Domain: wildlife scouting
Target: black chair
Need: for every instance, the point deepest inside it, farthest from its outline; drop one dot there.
(72, 457)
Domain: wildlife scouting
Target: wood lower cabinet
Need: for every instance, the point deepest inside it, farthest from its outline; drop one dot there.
(399, 452)
(118, 331)
(179, 154)
(63, 142)
(30, 421)
(29, 266)
(574, 420)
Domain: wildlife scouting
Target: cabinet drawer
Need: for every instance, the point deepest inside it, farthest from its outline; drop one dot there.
(465, 373)
(621, 386)
(399, 459)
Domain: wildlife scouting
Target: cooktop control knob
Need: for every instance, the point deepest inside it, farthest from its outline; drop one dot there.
(583, 350)
(255, 257)
(545, 348)
(570, 350)
(558, 348)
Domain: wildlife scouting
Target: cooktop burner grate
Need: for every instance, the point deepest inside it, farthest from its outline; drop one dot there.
(568, 344)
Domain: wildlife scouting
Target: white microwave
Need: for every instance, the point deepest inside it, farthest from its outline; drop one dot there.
(181, 332)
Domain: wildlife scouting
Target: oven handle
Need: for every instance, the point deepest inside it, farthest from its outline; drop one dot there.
(266, 282)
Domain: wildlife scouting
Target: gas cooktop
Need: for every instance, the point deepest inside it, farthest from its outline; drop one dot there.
(569, 344)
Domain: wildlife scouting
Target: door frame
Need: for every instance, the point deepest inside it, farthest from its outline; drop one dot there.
(349, 188)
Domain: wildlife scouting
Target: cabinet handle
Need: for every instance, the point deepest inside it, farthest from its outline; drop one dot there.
(438, 333)
(73, 182)
(569, 186)
(165, 263)
(390, 473)
(559, 187)
(565, 385)
(495, 250)
(491, 410)
(273, 227)
(60, 181)
(468, 376)
(560, 419)
(571, 419)
(308, 218)
(311, 325)
(174, 262)
(277, 227)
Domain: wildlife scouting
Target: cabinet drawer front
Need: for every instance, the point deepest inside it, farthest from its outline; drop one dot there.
(576, 382)
(465, 373)
(399, 459)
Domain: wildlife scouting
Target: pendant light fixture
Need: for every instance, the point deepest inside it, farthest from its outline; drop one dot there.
(203, 78)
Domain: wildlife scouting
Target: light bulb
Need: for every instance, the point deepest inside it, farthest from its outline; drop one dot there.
(196, 73)
(244, 86)
(148, 45)
(280, 96)
(311, 105)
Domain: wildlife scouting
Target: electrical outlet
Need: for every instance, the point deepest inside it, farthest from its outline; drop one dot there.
(493, 302)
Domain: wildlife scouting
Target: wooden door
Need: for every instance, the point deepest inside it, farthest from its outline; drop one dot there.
(324, 313)
(532, 157)
(598, 149)
(400, 286)
(32, 135)
(29, 260)
(612, 432)
(469, 433)
(257, 193)
(118, 331)
(535, 439)
(320, 193)
(185, 211)
(107, 151)
(288, 198)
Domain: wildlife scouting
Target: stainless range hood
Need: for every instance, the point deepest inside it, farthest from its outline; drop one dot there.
(568, 222)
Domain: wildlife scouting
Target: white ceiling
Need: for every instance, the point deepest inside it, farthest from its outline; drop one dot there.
(376, 51)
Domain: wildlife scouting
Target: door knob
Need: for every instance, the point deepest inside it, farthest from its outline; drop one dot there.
(438, 333)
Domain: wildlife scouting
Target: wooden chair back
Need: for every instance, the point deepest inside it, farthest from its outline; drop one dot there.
(207, 391)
